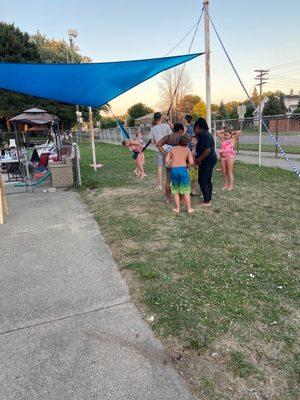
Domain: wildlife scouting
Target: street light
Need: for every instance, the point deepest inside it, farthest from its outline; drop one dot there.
(72, 36)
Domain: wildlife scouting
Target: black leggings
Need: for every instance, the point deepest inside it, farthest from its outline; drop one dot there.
(204, 178)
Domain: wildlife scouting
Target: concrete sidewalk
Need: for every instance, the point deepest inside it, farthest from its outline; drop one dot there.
(268, 159)
(68, 329)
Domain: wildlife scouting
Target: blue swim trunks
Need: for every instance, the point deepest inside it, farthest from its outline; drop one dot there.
(180, 180)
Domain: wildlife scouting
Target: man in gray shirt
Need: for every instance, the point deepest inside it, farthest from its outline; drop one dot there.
(158, 131)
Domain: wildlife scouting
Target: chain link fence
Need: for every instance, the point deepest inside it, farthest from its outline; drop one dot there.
(285, 128)
(43, 169)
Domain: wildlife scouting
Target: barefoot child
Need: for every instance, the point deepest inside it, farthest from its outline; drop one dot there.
(141, 156)
(228, 139)
(178, 159)
(136, 149)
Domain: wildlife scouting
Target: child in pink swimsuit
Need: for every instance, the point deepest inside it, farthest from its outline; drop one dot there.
(227, 139)
(136, 147)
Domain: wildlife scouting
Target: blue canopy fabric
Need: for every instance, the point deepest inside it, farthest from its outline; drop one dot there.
(124, 134)
(93, 84)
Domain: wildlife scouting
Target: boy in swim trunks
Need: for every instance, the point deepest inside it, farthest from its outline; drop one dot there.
(179, 159)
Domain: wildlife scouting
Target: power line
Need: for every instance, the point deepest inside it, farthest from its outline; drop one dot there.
(196, 24)
(183, 67)
(295, 169)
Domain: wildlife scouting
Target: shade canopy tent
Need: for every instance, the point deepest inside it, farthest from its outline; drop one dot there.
(93, 84)
(34, 116)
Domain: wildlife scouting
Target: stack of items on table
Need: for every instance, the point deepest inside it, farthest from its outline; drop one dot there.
(56, 160)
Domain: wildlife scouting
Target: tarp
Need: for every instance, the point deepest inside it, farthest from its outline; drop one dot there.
(93, 84)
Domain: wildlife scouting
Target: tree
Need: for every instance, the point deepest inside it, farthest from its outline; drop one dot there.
(275, 105)
(222, 112)
(255, 97)
(139, 110)
(108, 122)
(231, 108)
(249, 109)
(187, 103)
(17, 46)
(178, 80)
(199, 109)
(297, 110)
(56, 51)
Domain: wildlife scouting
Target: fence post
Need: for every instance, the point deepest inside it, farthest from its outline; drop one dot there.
(238, 139)
(77, 162)
(276, 149)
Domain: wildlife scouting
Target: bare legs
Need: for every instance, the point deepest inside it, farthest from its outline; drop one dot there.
(193, 188)
(159, 176)
(224, 173)
(227, 172)
(140, 170)
(187, 199)
(168, 185)
(230, 163)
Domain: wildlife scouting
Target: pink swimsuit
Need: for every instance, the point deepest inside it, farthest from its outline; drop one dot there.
(227, 149)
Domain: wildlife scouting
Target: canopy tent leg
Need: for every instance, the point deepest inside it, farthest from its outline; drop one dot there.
(92, 138)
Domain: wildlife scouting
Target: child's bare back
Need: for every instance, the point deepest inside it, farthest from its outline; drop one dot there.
(181, 156)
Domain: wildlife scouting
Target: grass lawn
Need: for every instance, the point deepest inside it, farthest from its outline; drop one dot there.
(221, 284)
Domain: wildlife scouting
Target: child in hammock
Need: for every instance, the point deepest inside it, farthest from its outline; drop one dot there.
(136, 148)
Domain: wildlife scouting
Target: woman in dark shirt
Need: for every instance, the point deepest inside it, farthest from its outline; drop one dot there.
(206, 158)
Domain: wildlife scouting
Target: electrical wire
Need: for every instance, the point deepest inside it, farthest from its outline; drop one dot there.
(183, 67)
(295, 169)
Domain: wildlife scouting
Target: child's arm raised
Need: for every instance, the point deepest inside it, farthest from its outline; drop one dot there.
(220, 133)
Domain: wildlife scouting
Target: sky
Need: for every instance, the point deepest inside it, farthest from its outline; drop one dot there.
(257, 34)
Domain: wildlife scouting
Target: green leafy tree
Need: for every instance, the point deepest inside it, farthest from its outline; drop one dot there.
(108, 122)
(187, 103)
(222, 112)
(199, 109)
(275, 105)
(297, 110)
(56, 51)
(138, 110)
(17, 46)
(249, 109)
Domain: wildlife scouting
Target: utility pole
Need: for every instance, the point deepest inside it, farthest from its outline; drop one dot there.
(261, 76)
(207, 63)
(72, 35)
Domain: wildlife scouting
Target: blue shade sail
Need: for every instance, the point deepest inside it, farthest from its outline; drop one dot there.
(84, 84)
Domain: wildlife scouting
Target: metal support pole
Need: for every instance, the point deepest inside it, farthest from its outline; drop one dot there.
(238, 139)
(262, 80)
(92, 138)
(276, 148)
(207, 63)
(76, 152)
(259, 134)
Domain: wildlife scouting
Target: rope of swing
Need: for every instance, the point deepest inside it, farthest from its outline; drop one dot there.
(295, 169)
(196, 26)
